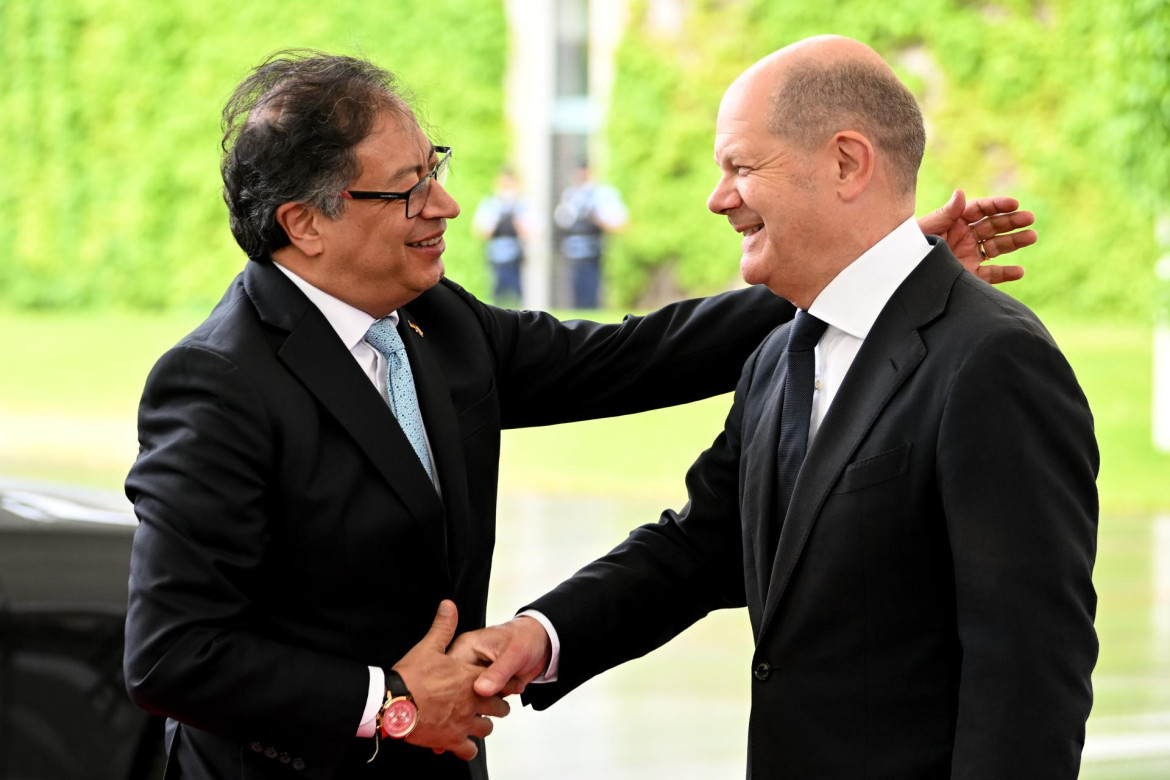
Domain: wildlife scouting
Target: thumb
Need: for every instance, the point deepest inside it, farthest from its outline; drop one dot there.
(493, 680)
(443, 629)
(512, 662)
(953, 208)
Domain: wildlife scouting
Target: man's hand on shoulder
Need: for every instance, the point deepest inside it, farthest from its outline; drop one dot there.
(981, 230)
(449, 711)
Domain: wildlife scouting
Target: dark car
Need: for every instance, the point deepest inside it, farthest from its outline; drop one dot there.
(64, 566)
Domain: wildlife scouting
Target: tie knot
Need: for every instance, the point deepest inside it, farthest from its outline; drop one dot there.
(383, 336)
(806, 332)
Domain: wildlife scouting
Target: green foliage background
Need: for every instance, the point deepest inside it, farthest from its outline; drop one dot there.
(109, 144)
(1063, 103)
(109, 187)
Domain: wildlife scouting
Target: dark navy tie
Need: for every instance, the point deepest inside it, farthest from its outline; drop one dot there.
(798, 399)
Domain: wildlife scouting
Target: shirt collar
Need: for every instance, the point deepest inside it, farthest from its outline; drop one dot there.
(857, 295)
(350, 323)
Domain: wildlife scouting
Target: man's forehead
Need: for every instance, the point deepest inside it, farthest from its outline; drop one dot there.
(744, 106)
(736, 135)
(404, 141)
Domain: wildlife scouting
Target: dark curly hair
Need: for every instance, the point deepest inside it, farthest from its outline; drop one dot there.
(290, 130)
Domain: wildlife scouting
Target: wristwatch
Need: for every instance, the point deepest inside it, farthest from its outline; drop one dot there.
(399, 714)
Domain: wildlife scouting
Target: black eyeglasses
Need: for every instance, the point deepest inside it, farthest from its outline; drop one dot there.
(416, 196)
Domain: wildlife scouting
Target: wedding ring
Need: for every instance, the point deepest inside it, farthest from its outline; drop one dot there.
(982, 251)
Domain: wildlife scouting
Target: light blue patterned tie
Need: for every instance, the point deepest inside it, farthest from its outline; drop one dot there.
(383, 336)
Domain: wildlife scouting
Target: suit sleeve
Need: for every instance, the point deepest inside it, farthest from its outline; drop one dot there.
(660, 580)
(200, 492)
(1017, 463)
(552, 372)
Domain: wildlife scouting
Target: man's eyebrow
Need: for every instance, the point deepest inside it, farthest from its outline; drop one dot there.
(404, 170)
(415, 169)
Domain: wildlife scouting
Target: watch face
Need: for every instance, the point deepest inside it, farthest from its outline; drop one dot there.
(399, 718)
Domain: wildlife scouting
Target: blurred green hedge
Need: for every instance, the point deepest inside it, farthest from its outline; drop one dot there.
(109, 144)
(1063, 103)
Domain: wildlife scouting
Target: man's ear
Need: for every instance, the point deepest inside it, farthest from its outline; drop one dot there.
(300, 223)
(854, 158)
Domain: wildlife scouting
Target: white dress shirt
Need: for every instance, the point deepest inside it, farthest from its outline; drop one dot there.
(852, 302)
(351, 325)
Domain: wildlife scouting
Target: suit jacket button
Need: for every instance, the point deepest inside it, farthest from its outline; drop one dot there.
(298, 764)
(256, 747)
(284, 758)
(270, 752)
(762, 671)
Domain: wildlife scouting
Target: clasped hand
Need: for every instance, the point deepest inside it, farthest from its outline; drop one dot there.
(459, 688)
(450, 712)
(514, 654)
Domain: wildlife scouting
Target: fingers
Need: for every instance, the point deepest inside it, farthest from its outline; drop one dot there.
(465, 649)
(481, 727)
(478, 647)
(466, 750)
(493, 706)
(986, 207)
(999, 224)
(998, 274)
(1008, 242)
(443, 629)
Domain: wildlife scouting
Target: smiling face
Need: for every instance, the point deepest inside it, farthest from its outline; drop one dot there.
(372, 256)
(771, 191)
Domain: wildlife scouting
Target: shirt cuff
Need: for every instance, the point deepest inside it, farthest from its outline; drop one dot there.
(554, 661)
(373, 702)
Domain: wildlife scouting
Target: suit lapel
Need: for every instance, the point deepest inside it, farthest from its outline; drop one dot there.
(759, 494)
(891, 353)
(313, 352)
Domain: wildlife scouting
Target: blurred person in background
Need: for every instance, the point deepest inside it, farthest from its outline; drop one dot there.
(904, 493)
(317, 474)
(587, 212)
(504, 221)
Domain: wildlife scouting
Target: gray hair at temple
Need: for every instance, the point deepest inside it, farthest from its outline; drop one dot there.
(815, 100)
(290, 129)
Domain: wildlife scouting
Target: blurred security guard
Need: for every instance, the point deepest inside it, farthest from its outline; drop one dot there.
(587, 212)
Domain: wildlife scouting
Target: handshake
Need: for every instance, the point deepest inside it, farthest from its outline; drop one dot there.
(459, 686)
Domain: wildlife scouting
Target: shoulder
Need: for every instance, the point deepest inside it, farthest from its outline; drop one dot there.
(996, 349)
(231, 321)
(983, 315)
(449, 310)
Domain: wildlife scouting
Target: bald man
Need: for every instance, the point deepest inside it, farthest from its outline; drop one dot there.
(916, 549)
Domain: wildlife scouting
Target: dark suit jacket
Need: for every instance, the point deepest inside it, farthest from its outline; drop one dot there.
(928, 612)
(289, 536)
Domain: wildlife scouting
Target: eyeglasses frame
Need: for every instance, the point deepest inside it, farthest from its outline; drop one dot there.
(437, 173)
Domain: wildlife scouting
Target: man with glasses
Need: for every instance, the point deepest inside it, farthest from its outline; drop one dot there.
(318, 463)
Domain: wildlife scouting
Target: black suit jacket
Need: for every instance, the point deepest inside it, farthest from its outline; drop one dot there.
(928, 610)
(289, 536)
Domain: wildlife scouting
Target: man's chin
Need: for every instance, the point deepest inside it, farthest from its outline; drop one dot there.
(750, 268)
(435, 275)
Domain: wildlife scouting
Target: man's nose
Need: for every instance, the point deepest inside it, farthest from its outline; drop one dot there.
(440, 204)
(723, 198)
